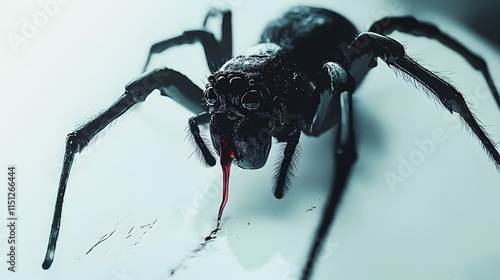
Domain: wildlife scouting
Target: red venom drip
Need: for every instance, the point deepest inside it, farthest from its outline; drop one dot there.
(226, 158)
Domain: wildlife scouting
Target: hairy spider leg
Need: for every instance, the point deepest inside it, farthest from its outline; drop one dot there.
(201, 146)
(393, 54)
(415, 27)
(344, 154)
(284, 172)
(216, 52)
(170, 83)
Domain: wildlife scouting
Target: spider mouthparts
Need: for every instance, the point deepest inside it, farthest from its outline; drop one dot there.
(227, 151)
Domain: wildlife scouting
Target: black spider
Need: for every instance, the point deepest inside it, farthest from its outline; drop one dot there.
(298, 79)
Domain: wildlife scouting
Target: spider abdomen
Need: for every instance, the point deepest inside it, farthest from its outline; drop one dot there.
(312, 36)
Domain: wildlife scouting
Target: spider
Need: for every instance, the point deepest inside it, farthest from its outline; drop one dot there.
(298, 79)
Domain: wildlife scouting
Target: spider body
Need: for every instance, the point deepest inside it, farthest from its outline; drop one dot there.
(299, 79)
(279, 75)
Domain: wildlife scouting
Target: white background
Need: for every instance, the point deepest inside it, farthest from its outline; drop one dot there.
(441, 223)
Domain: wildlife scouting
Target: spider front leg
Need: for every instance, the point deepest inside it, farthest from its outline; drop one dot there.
(170, 83)
(284, 171)
(339, 86)
(415, 27)
(394, 55)
(216, 52)
(202, 148)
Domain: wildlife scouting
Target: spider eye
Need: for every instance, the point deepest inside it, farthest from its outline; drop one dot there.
(250, 100)
(211, 96)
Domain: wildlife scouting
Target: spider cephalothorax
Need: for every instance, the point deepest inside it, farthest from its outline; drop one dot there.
(241, 109)
(252, 98)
